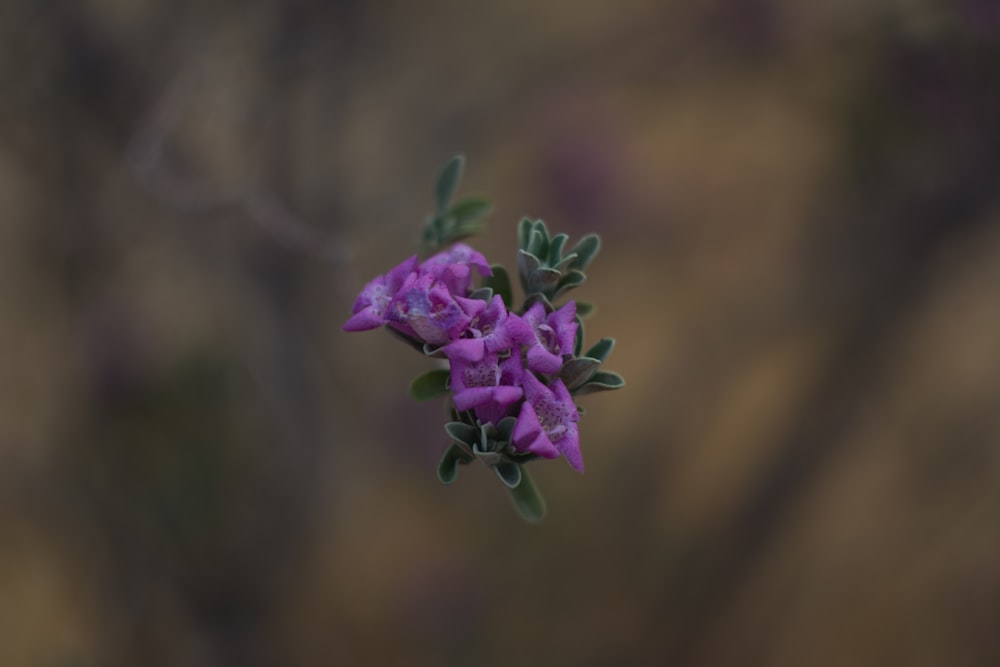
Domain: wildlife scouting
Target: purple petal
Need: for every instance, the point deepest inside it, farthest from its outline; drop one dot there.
(466, 349)
(528, 435)
(473, 396)
(543, 361)
(364, 321)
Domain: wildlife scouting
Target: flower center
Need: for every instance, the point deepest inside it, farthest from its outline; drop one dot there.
(548, 338)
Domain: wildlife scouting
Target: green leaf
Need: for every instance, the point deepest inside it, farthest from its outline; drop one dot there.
(543, 279)
(569, 281)
(462, 432)
(578, 341)
(463, 231)
(499, 282)
(527, 500)
(601, 381)
(586, 249)
(430, 384)
(585, 309)
(601, 349)
(505, 429)
(526, 264)
(555, 248)
(524, 233)
(483, 294)
(538, 245)
(470, 209)
(564, 263)
(447, 182)
(536, 297)
(577, 371)
(509, 473)
(448, 466)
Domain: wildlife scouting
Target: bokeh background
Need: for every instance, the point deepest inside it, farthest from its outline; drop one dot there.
(801, 211)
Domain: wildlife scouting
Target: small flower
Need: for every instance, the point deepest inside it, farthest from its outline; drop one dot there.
(549, 338)
(491, 329)
(477, 384)
(547, 423)
(504, 400)
(369, 311)
(452, 267)
(424, 307)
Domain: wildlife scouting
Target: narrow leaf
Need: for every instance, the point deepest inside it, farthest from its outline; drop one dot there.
(470, 209)
(505, 429)
(447, 182)
(430, 384)
(538, 245)
(569, 281)
(586, 249)
(448, 466)
(578, 342)
(585, 309)
(555, 248)
(527, 500)
(483, 294)
(601, 381)
(602, 348)
(577, 371)
(543, 279)
(524, 233)
(462, 432)
(509, 473)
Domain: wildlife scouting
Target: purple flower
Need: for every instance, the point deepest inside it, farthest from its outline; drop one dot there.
(547, 423)
(452, 267)
(424, 307)
(491, 329)
(369, 311)
(477, 384)
(549, 338)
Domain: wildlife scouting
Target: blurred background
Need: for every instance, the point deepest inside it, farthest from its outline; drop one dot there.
(801, 211)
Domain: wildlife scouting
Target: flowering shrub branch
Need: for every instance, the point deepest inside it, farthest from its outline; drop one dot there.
(512, 374)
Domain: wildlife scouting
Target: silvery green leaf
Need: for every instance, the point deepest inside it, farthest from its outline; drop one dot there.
(569, 281)
(430, 384)
(538, 297)
(578, 341)
(538, 245)
(483, 294)
(463, 231)
(505, 429)
(602, 348)
(433, 351)
(555, 248)
(447, 182)
(543, 279)
(585, 309)
(527, 500)
(462, 432)
(524, 233)
(448, 467)
(509, 473)
(601, 381)
(586, 249)
(563, 264)
(577, 371)
(470, 209)
(489, 458)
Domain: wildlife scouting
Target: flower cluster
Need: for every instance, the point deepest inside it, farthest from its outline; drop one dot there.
(493, 352)
(511, 374)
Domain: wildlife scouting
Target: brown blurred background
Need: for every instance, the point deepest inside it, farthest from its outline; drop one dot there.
(801, 211)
